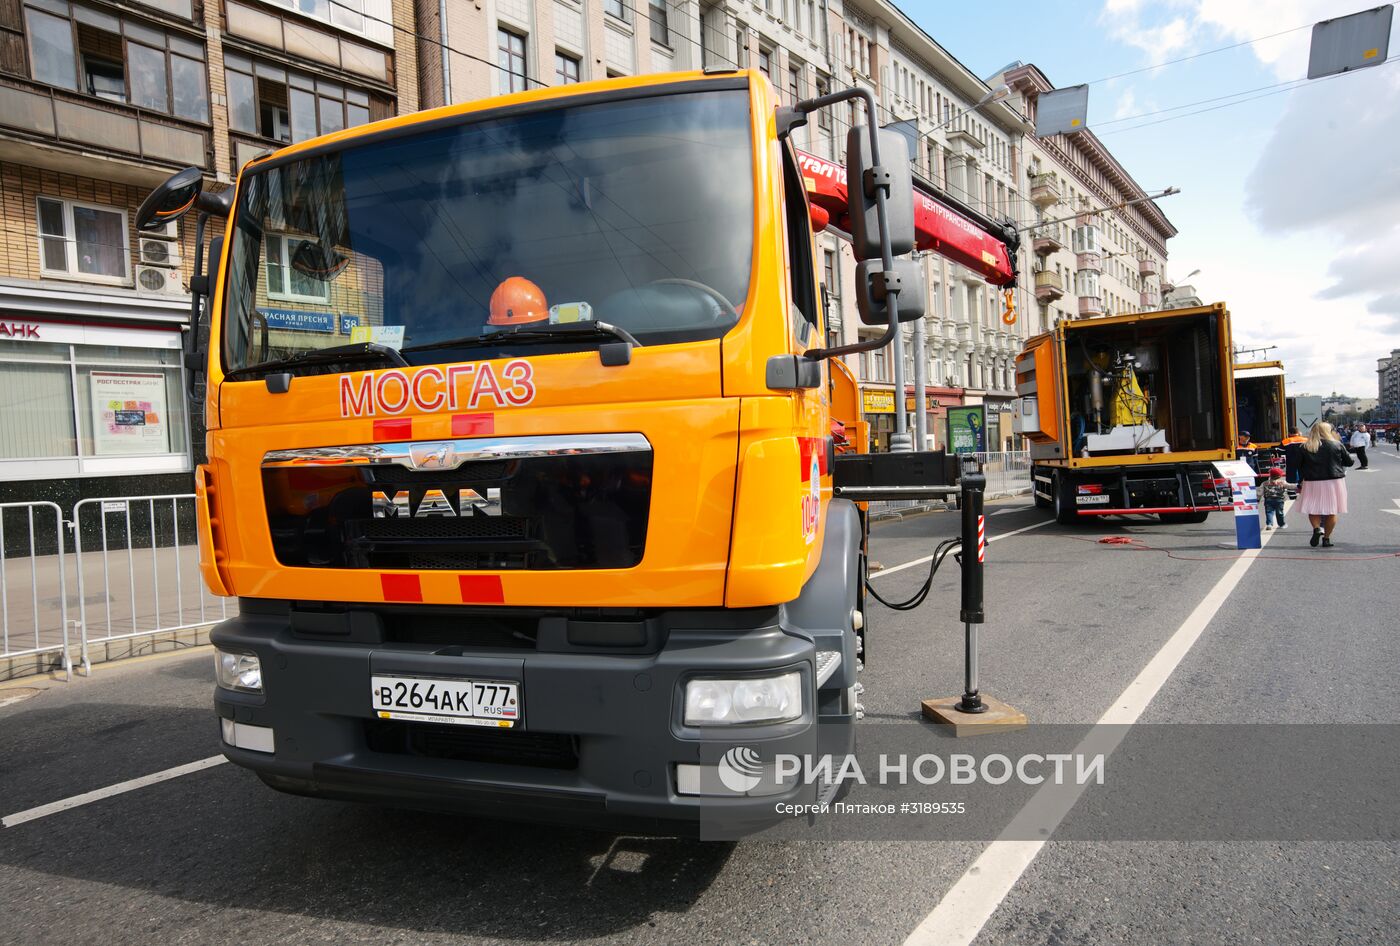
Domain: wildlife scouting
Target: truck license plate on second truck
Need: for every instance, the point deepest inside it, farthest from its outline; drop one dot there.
(494, 703)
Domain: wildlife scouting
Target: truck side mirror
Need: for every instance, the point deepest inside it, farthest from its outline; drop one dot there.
(172, 199)
(873, 286)
(864, 180)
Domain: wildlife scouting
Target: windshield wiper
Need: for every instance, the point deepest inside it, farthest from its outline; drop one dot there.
(599, 331)
(336, 354)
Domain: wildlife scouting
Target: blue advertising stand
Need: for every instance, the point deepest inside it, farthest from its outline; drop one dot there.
(1244, 493)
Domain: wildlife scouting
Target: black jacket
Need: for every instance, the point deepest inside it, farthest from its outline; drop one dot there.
(1327, 463)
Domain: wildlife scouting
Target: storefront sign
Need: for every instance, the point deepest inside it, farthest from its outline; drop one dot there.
(877, 402)
(19, 329)
(930, 403)
(128, 413)
(967, 429)
(299, 321)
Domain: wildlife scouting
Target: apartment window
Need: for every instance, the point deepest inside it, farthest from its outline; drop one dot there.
(285, 283)
(565, 69)
(741, 47)
(119, 60)
(616, 8)
(82, 241)
(823, 114)
(765, 62)
(369, 18)
(287, 106)
(659, 31)
(829, 271)
(794, 85)
(510, 55)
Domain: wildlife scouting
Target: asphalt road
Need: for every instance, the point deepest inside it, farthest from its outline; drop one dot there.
(1305, 636)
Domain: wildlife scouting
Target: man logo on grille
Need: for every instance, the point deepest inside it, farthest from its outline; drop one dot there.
(740, 769)
(398, 504)
(432, 456)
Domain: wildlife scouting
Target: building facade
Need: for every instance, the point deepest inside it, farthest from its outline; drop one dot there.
(1086, 261)
(99, 102)
(1388, 385)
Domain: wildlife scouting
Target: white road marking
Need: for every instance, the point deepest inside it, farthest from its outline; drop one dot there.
(970, 903)
(53, 808)
(928, 558)
(1396, 510)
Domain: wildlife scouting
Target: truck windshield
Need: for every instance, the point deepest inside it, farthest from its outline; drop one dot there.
(637, 213)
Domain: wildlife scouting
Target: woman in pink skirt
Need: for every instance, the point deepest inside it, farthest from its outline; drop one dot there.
(1322, 493)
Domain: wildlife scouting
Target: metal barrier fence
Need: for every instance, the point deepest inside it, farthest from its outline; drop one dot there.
(33, 582)
(142, 553)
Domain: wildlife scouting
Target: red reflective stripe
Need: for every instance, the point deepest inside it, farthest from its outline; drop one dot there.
(401, 587)
(981, 538)
(807, 447)
(473, 425)
(481, 589)
(394, 428)
(1151, 509)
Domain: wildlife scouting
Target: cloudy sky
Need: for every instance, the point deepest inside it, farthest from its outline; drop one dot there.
(1290, 203)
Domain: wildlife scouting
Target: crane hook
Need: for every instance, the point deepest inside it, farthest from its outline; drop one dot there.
(1009, 316)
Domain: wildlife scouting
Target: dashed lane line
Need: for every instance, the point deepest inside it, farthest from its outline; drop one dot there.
(87, 798)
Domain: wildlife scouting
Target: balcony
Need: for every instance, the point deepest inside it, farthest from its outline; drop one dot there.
(1050, 238)
(1090, 307)
(1092, 261)
(1147, 266)
(1045, 190)
(1151, 299)
(1048, 287)
(83, 123)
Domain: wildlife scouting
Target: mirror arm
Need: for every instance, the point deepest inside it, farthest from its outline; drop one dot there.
(874, 175)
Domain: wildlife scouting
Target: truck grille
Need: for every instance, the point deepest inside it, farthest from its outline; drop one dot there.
(472, 744)
(575, 511)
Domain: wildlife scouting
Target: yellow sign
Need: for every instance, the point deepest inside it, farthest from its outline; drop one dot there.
(878, 402)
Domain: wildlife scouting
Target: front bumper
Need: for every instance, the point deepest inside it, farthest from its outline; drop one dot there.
(601, 733)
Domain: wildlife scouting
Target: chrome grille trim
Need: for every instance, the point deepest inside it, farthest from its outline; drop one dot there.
(451, 454)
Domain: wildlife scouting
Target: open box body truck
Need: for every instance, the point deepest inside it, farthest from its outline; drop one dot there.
(1261, 406)
(555, 531)
(1127, 414)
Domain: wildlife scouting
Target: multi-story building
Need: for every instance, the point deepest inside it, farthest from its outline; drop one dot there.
(972, 155)
(100, 101)
(1086, 261)
(1388, 385)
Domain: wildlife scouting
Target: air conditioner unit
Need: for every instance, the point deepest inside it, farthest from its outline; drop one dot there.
(159, 279)
(166, 231)
(159, 253)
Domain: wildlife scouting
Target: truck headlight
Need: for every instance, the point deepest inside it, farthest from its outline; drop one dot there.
(713, 702)
(238, 671)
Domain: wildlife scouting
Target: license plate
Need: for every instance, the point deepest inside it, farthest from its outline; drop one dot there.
(494, 703)
(1087, 500)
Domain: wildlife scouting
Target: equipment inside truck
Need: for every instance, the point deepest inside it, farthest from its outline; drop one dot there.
(1257, 405)
(1144, 387)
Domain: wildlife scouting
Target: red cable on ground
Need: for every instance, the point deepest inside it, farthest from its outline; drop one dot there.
(1134, 544)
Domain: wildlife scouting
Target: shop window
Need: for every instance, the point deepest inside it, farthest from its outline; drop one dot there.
(76, 402)
(285, 283)
(82, 241)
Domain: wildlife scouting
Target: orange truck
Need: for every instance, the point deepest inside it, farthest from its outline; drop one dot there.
(1127, 415)
(1261, 406)
(521, 451)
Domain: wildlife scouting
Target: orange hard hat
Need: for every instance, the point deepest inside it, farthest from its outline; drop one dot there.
(517, 301)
